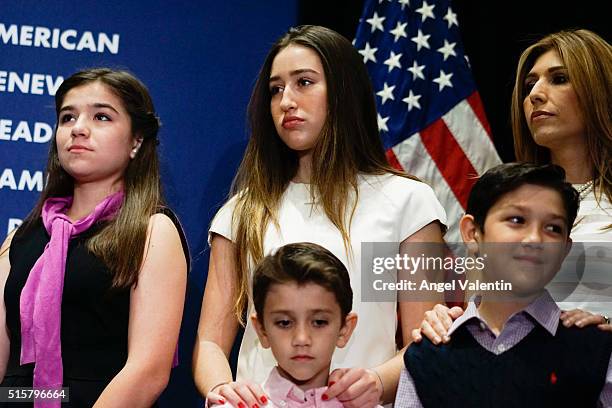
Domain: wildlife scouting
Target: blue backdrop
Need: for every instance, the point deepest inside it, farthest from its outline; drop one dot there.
(199, 60)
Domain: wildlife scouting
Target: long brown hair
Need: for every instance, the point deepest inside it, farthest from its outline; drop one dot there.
(588, 59)
(121, 242)
(349, 144)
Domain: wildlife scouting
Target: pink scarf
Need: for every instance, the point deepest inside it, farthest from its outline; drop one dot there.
(41, 297)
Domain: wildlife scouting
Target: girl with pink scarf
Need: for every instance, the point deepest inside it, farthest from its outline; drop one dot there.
(93, 282)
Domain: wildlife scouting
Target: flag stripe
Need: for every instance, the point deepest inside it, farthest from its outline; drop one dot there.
(392, 159)
(415, 159)
(466, 128)
(450, 159)
(476, 104)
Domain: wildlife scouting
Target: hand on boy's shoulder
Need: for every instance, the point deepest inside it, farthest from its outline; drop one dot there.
(436, 323)
(355, 387)
(582, 318)
(233, 394)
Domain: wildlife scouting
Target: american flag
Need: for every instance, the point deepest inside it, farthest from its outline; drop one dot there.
(430, 115)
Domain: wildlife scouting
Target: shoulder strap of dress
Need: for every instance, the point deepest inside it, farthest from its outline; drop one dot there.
(167, 211)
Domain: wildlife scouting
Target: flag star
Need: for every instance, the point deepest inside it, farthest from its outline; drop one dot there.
(448, 49)
(382, 122)
(376, 22)
(412, 100)
(421, 40)
(404, 3)
(426, 11)
(417, 71)
(368, 53)
(444, 80)
(399, 31)
(451, 18)
(393, 61)
(386, 93)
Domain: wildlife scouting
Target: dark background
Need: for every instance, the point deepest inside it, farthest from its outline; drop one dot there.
(494, 34)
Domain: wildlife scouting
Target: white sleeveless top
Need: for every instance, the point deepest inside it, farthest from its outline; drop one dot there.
(390, 209)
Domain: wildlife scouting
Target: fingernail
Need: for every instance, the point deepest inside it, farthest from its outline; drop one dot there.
(264, 400)
(436, 340)
(255, 406)
(579, 324)
(324, 397)
(241, 405)
(331, 383)
(446, 339)
(221, 401)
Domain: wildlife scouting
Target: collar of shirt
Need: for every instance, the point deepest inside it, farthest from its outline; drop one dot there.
(286, 394)
(543, 310)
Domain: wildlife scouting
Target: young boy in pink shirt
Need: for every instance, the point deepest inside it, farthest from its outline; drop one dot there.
(303, 300)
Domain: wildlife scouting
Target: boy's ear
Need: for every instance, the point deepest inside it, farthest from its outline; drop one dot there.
(261, 330)
(350, 321)
(470, 232)
(568, 246)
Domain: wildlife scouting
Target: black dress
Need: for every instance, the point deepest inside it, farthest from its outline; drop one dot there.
(94, 322)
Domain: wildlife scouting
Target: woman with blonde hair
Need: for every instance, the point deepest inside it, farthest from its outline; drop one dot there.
(562, 113)
(314, 170)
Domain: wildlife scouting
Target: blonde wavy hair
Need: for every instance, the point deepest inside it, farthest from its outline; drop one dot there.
(588, 59)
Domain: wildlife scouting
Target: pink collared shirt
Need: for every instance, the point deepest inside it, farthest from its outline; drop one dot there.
(285, 394)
